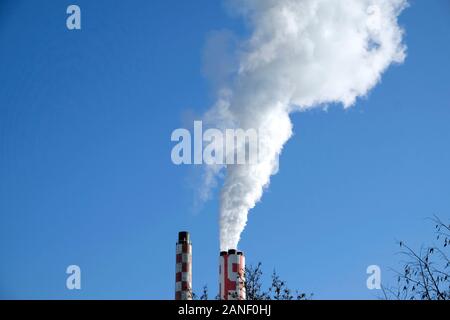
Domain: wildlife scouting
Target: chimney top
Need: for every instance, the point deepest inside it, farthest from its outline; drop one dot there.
(184, 237)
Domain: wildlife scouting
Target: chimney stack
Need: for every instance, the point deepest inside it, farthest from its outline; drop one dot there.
(231, 275)
(183, 275)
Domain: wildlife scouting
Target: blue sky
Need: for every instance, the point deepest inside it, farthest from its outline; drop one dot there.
(86, 176)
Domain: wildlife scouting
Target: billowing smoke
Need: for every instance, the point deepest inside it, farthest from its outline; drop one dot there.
(299, 54)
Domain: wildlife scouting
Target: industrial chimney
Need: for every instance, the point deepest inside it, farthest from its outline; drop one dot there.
(231, 275)
(183, 271)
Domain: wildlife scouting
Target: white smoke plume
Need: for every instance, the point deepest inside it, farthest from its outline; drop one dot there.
(299, 54)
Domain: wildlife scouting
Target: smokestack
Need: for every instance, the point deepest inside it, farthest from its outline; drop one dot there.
(231, 275)
(183, 276)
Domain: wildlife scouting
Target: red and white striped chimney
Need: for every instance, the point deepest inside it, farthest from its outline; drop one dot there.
(231, 275)
(183, 271)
